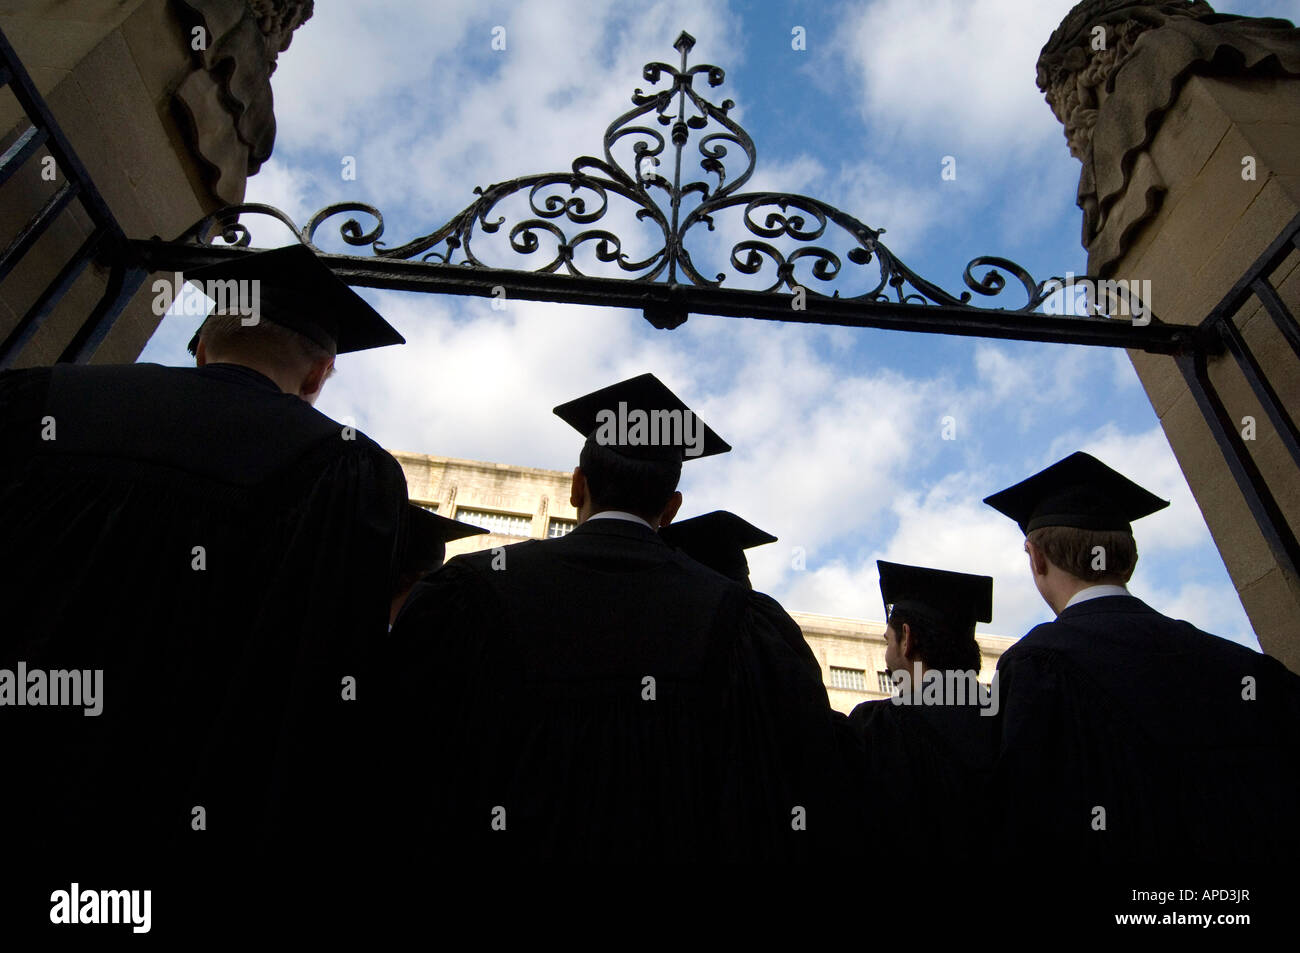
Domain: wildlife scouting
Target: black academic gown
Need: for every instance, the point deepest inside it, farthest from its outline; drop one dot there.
(1116, 706)
(927, 767)
(224, 553)
(603, 697)
(766, 606)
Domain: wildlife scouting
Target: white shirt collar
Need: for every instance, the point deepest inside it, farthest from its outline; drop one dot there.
(619, 515)
(1095, 592)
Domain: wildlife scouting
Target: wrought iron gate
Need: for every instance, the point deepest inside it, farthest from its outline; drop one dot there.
(561, 232)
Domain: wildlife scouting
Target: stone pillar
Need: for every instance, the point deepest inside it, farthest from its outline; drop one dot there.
(1187, 123)
(167, 104)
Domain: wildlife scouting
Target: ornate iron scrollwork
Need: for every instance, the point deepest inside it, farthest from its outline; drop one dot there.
(563, 221)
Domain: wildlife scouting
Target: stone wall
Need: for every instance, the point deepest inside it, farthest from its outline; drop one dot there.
(454, 485)
(167, 132)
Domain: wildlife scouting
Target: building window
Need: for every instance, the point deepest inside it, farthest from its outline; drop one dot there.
(502, 524)
(853, 679)
(431, 507)
(560, 528)
(884, 683)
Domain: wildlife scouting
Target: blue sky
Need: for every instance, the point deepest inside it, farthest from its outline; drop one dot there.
(837, 432)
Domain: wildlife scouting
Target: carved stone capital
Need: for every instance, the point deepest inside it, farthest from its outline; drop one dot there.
(1111, 71)
(225, 103)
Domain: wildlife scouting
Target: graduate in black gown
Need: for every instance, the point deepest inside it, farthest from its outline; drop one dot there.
(601, 696)
(719, 540)
(225, 555)
(929, 750)
(424, 549)
(1127, 735)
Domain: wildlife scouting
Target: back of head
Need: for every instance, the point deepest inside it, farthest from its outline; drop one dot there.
(1079, 514)
(227, 339)
(619, 482)
(936, 640)
(1100, 557)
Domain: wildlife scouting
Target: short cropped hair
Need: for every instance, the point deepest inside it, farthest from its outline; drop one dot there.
(616, 482)
(1098, 556)
(936, 642)
(227, 334)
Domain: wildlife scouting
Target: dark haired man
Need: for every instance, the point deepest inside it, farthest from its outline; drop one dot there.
(928, 751)
(1127, 735)
(601, 696)
(224, 554)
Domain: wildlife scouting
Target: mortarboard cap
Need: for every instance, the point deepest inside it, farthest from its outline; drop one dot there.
(642, 419)
(427, 537)
(960, 597)
(297, 291)
(1079, 491)
(718, 540)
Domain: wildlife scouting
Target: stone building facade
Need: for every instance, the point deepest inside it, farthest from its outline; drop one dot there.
(513, 503)
(517, 503)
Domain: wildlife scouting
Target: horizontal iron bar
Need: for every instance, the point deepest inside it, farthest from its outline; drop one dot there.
(659, 297)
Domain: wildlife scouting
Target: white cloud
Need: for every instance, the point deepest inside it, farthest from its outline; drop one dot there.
(943, 523)
(1205, 606)
(431, 110)
(1004, 376)
(1024, 382)
(283, 187)
(369, 64)
(1147, 458)
(955, 80)
(946, 527)
(803, 174)
(887, 202)
(956, 72)
(477, 383)
(836, 588)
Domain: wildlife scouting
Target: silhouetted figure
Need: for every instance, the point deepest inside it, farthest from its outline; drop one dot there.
(424, 550)
(1127, 735)
(601, 696)
(719, 540)
(225, 554)
(927, 753)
